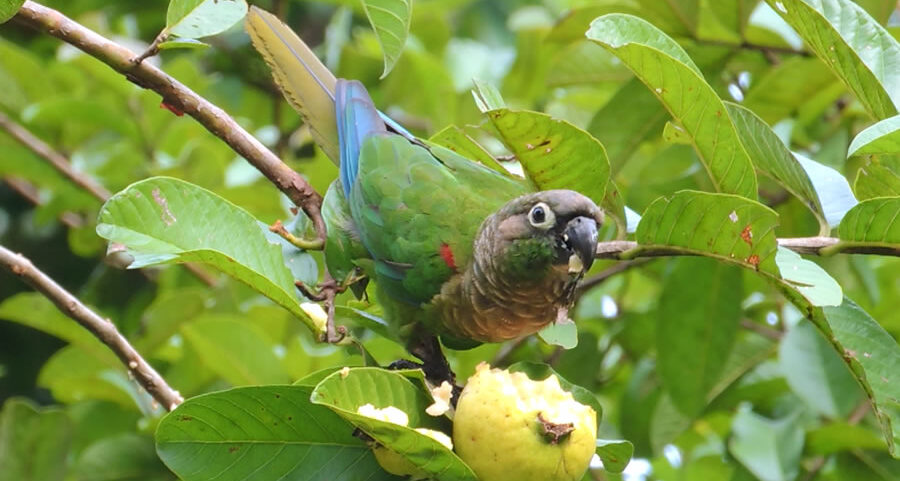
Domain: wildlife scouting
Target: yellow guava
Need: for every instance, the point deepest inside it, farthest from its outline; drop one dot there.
(509, 427)
(390, 460)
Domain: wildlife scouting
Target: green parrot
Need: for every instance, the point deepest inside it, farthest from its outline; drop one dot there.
(456, 249)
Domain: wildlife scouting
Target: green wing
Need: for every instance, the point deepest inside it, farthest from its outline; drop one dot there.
(415, 209)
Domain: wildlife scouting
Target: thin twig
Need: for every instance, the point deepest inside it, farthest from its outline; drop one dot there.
(762, 330)
(57, 160)
(29, 192)
(605, 274)
(766, 49)
(820, 246)
(853, 419)
(179, 98)
(61, 163)
(103, 329)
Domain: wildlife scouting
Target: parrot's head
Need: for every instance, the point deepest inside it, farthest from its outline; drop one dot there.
(552, 232)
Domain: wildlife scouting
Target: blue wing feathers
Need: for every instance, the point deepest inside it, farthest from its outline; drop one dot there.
(357, 119)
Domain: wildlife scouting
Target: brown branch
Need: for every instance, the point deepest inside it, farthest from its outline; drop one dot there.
(57, 160)
(820, 246)
(765, 49)
(29, 192)
(103, 329)
(762, 329)
(179, 98)
(605, 274)
(62, 164)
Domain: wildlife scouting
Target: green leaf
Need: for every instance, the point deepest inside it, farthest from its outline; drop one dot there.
(390, 21)
(235, 350)
(615, 454)
(699, 313)
(874, 358)
(774, 159)
(874, 222)
(188, 43)
(73, 374)
(537, 371)
(832, 189)
(269, 432)
(344, 393)
(723, 226)
(486, 95)
(34, 443)
(563, 334)
(880, 138)
(554, 153)
(816, 373)
(202, 18)
(162, 220)
(770, 449)
(123, 457)
(835, 437)
(876, 180)
(858, 50)
(665, 68)
(8, 9)
(808, 279)
(455, 139)
(34, 310)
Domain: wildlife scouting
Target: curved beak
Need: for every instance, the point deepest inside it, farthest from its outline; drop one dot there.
(580, 236)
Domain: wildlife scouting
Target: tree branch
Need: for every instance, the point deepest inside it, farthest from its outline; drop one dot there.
(103, 329)
(57, 160)
(820, 246)
(179, 98)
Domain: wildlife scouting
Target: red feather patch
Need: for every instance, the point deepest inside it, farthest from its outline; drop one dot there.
(447, 255)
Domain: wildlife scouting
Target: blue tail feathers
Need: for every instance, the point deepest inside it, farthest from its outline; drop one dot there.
(357, 119)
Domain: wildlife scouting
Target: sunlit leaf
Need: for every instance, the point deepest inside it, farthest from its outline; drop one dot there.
(832, 189)
(286, 436)
(157, 219)
(857, 49)
(723, 226)
(614, 454)
(665, 68)
(554, 153)
(880, 138)
(773, 158)
(808, 279)
(202, 18)
(390, 20)
(876, 180)
(874, 222)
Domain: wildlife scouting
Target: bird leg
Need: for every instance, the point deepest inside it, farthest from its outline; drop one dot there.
(427, 348)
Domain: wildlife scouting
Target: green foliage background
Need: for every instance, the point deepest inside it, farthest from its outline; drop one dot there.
(707, 368)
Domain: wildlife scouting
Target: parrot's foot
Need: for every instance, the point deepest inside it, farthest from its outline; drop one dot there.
(327, 291)
(427, 348)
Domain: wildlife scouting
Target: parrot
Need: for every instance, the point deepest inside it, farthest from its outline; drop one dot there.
(456, 249)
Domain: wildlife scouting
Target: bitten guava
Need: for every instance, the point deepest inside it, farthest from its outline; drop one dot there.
(508, 426)
(390, 460)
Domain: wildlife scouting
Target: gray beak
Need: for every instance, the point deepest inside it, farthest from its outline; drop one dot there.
(581, 237)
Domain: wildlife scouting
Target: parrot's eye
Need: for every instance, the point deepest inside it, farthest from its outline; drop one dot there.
(541, 216)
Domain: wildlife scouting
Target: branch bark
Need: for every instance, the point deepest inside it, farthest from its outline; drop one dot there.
(820, 246)
(57, 160)
(179, 98)
(102, 328)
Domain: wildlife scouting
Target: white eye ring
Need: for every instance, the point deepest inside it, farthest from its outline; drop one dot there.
(542, 216)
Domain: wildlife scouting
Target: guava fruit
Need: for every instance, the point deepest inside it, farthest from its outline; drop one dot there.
(508, 426)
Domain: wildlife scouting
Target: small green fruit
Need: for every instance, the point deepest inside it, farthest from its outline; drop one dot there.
(510, 427)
